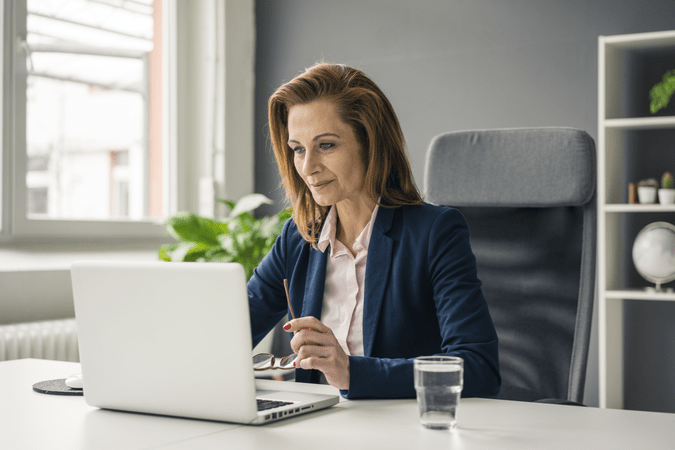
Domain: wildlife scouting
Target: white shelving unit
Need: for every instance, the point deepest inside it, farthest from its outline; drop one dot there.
(612, 188)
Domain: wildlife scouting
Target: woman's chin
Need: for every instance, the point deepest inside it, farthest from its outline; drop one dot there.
(322, 199)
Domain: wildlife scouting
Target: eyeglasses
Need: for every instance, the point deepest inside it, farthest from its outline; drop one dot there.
(266, 361)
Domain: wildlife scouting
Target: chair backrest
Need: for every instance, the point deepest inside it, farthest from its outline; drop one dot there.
(528, 196)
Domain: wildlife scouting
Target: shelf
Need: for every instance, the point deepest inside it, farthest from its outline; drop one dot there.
(631, 208)
(639, 294)
(641, 123)
(628, 147)
(640, 41)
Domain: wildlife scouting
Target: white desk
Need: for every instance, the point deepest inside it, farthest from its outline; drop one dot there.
(29, 420)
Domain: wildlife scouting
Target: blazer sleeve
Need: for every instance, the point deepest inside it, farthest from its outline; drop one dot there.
(466, 328)
(266, 295)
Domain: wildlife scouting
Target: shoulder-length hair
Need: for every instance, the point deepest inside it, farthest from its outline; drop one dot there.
(363, 106)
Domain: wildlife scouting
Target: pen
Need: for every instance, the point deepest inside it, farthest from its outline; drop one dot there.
(288, 298)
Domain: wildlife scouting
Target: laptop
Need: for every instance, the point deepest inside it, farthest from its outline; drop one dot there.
(175, 339)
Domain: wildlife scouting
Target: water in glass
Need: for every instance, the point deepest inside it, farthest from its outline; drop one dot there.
(438, 391)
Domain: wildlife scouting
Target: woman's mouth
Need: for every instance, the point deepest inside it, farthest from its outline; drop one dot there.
(321, 185)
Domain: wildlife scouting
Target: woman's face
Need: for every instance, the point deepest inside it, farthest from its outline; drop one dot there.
(327, 154)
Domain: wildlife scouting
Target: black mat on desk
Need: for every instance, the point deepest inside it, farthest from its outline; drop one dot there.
(56, 387)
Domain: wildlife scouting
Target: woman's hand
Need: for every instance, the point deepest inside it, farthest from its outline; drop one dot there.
(318, 349)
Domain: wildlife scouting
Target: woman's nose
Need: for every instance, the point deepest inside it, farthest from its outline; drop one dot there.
(311, 163)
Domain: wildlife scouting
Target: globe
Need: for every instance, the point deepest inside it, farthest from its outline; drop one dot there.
(654, 253)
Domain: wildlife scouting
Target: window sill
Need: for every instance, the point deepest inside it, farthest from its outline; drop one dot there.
(51, 255)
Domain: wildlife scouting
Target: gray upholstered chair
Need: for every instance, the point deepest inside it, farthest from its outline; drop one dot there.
(529, 199)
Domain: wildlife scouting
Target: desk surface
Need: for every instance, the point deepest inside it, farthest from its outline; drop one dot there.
(29, 420)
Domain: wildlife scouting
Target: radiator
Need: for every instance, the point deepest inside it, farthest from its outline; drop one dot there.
(50, 339)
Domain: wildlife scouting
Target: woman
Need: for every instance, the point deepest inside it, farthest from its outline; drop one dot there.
(376, 276)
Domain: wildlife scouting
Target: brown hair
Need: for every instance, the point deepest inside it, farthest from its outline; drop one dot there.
(364, 107)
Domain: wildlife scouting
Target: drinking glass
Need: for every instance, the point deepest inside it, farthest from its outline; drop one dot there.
(438, 382)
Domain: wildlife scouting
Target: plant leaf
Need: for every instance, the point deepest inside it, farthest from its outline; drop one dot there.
(246, 220)
(249, 203)
(178, 253)
(222, 227)
(662, 91)
(269, 226)
(198, 252)
(226, 242)
(285, 214)
(219, 256)
(240, 238)
(229, 203)
(164, 253)
(186, 226)
(190, 252)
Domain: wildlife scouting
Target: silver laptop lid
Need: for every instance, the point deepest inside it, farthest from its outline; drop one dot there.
(166, 338)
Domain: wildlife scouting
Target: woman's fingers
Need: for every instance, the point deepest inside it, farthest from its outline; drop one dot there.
(308, 336)
(312, 323)
(317, 348)
(309, 331)
(309, 354)
(332, 361)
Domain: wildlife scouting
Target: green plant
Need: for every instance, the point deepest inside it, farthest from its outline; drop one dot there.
(667, 181)
(649, 183)
(239, 238)
(660, 94)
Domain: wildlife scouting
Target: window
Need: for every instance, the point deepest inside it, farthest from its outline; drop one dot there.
(90, 70)
(114, 113)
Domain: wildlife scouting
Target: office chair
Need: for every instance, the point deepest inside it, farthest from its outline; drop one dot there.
(528, 196)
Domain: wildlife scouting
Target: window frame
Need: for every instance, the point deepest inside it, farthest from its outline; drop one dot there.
(235, 21)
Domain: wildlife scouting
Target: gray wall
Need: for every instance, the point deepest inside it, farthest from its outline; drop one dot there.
(467, 64)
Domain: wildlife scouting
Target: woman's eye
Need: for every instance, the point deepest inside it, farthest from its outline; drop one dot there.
(298, 150)
(325, 145)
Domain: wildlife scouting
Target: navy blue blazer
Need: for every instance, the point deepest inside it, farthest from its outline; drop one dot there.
(422, 297)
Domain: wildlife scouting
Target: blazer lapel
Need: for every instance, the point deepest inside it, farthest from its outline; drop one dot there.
(378, 267)
(312, 301)
(314, 286)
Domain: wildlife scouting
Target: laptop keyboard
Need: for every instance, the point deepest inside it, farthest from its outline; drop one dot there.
(264, 405)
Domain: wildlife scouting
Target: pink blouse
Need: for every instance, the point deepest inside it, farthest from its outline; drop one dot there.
(342, 308)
